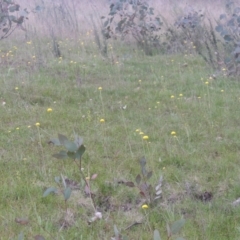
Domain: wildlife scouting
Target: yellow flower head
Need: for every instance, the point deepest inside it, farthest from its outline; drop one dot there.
(102, 120)
(141, 133)
(100, 88)
(207, 83)
(16, 88)
(145, 137)
(180, 95)
(49, 110)
(173, 133)
(138, 130)
(144, 206)
(222, 90)
(172, 96)
(37, 124)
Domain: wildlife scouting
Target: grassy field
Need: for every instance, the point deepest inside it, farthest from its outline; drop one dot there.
(189, 119)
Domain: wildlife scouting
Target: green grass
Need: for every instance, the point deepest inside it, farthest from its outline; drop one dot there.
(204, 153)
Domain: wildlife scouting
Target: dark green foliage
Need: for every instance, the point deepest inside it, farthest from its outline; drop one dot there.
(145, 189)
(177, 226)
(75, 149)
(173, 230)
(8, 21)
(49, 190)
(134, 19)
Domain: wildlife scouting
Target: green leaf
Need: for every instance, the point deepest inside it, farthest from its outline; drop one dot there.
(50, 190)
(105, 23)
(156, 235)
(138, 179)
(227, 38)
(12, 18)
(67, 193)
(21, 236)
(70, 146)
(149, 174)
(129, 184)
(151, 11)
(222, 16)
(80, 152)
(78, 141)
(8, 1)
(55, 141)
(116, 232)
(143, 161)
(14, 8)
(71, 155)
(62, 138)
(57, 179)
(219, 28)
(60, 155)
(176, 226)
(144, 171)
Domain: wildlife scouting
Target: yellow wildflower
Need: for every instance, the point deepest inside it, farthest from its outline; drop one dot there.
(144, 206)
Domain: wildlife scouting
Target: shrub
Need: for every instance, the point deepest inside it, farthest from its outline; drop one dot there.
(135, 19)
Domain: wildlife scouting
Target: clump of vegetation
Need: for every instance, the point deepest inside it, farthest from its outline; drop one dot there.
(228, 28)
(74, 150)
(145, 189)
(185, 30)
(12, 17)
(135, 19)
